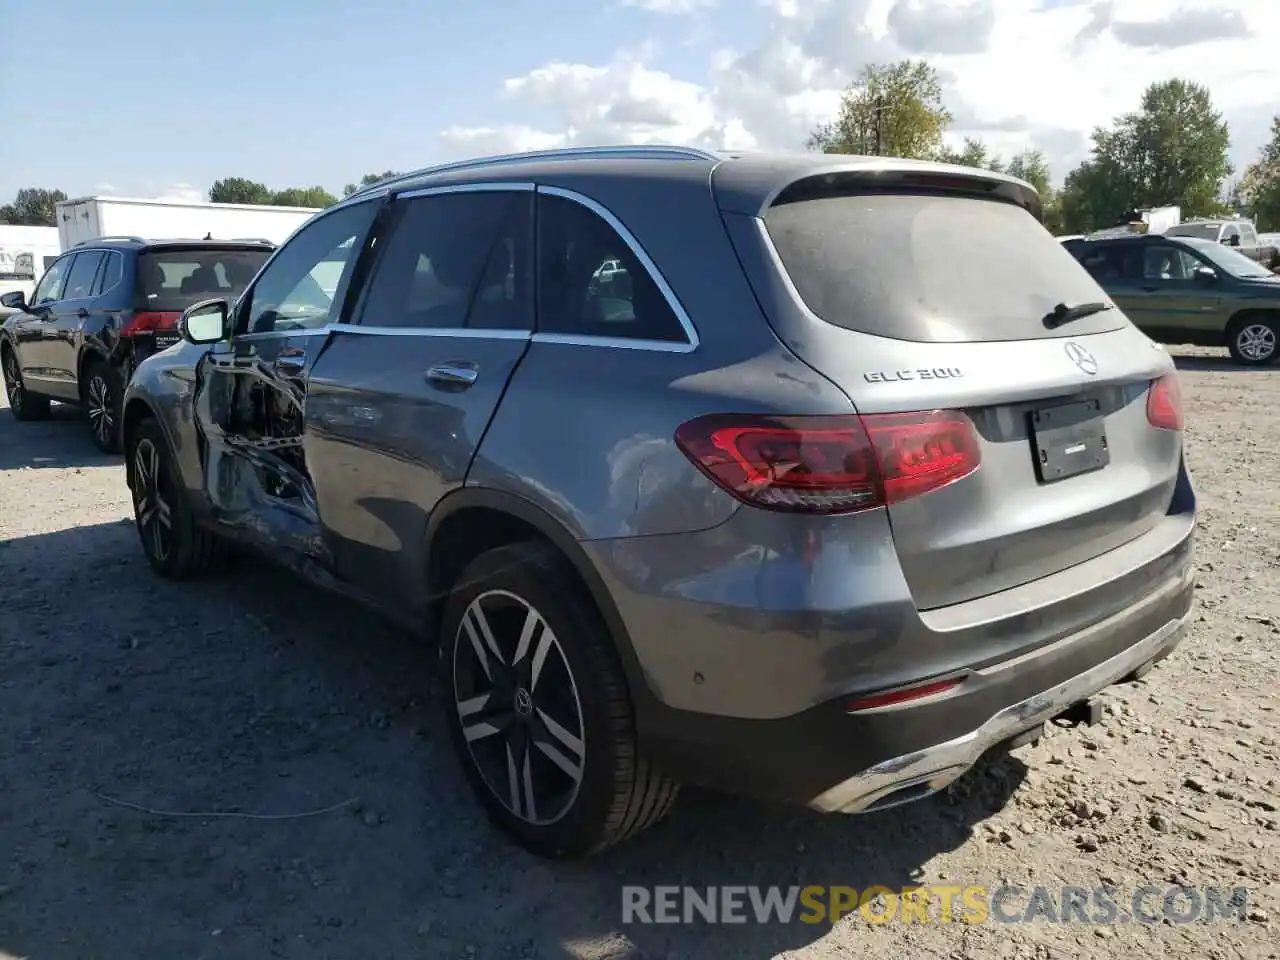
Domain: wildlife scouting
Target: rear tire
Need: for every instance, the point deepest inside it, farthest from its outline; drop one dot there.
(102, 394)
(538, 707)
(1254, 339)
(176, 546)
(22, 404)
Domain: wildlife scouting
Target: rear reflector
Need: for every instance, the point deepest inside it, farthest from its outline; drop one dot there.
(904, 695)
(149, 322)
(831, 464)
(1164, 403)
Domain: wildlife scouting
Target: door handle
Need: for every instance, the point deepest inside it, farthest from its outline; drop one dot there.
(82, 313)
(1150, 289)
(457, 373)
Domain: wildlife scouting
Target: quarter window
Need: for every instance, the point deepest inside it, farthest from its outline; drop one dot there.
(455, 261)
(304, 285)
(591, 284)
(51, 284)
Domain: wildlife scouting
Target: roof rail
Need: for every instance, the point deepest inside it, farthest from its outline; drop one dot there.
(121, 239)
(251, 240)
(626, 152)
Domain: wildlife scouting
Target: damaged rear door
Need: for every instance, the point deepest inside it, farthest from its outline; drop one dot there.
(251, 393)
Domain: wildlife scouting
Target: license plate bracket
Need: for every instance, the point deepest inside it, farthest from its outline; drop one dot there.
(1068, 439)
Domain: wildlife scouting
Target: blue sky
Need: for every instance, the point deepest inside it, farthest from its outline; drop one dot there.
(290, 92)
(153, 98)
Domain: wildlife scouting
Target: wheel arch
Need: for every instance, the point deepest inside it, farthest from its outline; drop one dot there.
(89, 354)
(469, 521)
(1250, 311)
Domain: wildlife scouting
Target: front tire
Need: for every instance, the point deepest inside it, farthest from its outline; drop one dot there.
(176, 546)
(103, 391)
(538, 707)
(22, 404)
(1254, 341)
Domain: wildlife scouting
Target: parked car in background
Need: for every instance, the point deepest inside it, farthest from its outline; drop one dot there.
(1180, 289)
(809, 477)
(1240, 235)
(100, 310)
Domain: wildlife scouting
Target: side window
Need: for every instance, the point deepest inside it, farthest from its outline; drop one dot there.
(304, 285)
(111, 274)
(1248, 236)
(591, 284)
(1229, 231)
(453, 261)
(1168, 263)
(1104, 262)
(51, 284)
(82, 274)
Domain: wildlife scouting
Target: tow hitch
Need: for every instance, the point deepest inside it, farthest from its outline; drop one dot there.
(1086, 713)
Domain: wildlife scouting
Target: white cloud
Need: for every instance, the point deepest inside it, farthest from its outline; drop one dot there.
(1017, 73)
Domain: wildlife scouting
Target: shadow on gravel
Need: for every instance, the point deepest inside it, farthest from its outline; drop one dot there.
(144, 720)
(60, 441)
(1218, 365)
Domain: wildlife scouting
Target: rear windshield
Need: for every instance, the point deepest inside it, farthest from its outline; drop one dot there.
(932, 268)
(175, 279)
(1205, 231)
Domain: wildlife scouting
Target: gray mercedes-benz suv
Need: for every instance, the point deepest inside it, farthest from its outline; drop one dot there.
(808, 477)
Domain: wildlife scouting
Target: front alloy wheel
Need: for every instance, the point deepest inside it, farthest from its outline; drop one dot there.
(22, 404)
(1255, 342)
(152, 504)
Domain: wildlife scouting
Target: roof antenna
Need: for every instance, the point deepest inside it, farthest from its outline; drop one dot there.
(209, 235)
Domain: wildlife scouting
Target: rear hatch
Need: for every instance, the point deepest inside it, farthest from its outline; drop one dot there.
(172, 277)
(921, 297)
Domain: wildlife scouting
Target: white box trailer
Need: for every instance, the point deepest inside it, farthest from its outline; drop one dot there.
(91, 217)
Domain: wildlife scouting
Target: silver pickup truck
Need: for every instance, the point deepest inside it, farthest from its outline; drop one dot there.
(1238, 234)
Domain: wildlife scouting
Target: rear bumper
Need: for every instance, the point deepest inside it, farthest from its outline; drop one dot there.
(922, 772)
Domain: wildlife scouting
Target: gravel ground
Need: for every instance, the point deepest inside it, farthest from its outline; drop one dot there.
(125, 701)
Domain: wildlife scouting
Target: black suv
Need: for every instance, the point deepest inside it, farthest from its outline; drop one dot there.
(101, 309)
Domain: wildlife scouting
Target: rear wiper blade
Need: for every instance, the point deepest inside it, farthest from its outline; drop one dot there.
(1063, 313)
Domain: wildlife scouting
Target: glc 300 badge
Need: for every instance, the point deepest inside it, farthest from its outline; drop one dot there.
(921, 373)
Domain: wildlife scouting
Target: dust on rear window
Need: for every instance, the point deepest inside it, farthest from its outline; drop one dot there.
(174, 279)
(931, 268)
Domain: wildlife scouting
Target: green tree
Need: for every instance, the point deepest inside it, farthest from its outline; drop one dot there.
(974, 153)
(1031, 166)
(33, 207)
(368, 180)
(303, 197)
(239, 190)
(891, 110)
(1259, 188)
(1172, 150)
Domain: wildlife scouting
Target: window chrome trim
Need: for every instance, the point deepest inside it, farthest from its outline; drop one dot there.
(459, 332)
(480, 186)
(690, 331)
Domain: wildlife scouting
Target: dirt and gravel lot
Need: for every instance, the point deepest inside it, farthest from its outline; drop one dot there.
(164, 750)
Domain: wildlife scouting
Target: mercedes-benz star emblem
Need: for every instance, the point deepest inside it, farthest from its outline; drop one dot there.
(1082, 358)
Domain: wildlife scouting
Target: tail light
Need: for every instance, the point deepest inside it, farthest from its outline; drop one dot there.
(831, 464)
(149, 322)
(1164, 403)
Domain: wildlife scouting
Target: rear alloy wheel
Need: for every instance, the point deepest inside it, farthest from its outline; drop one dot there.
(1254, 342)
(23, 405)
(102, 406)
(539, 709)
(176, 546)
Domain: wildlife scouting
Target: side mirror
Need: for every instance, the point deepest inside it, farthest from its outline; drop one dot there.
(1206, 274)
(14, 300)
(1233, 241)
(205, 322)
